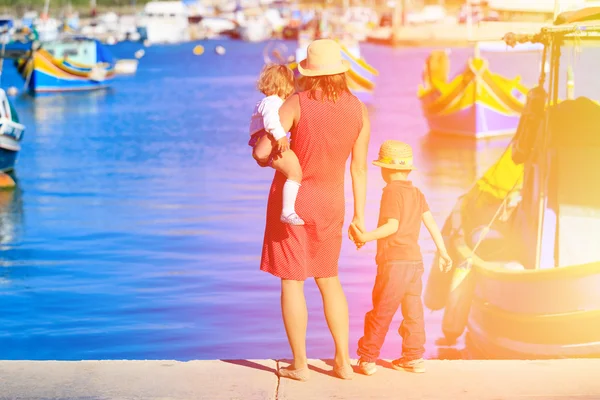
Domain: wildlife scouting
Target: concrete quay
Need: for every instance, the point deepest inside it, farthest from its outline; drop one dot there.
(257, 380)
(449, 34)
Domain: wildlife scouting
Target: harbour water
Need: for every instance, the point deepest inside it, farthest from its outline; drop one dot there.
(136, 229)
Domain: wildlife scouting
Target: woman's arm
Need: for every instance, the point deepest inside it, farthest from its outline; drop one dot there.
(358, 171)
(289, 112)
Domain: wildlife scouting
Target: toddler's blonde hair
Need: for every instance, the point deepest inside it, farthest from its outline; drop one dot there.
(276, 79)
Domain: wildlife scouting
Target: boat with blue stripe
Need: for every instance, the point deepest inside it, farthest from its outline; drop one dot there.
(69, 64)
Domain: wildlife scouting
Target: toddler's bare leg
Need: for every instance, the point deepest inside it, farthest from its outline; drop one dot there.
(288, 164)
(262, 150)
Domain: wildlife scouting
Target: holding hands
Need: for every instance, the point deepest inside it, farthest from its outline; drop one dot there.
(356, 232)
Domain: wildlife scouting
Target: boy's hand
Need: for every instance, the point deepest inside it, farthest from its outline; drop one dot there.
(357, 236)
(283, 145)
(445, 262)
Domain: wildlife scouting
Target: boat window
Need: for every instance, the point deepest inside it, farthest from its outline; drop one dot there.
(70, 53)
(172, 15)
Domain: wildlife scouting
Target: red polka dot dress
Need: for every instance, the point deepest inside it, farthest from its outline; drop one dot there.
(323, 140)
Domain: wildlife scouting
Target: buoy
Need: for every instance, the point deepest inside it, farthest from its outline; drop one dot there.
(111, 40)
(198, 50)
(140, 53)
(12, 91)
(146, 43)
(6, 182)
(220, 50)
(458, 304)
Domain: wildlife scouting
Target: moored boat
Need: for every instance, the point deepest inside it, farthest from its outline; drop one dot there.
(476, 103)
(11, 133)
(525, 238)
(69, 64)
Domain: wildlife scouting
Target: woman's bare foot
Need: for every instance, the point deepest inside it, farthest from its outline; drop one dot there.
(299, 374)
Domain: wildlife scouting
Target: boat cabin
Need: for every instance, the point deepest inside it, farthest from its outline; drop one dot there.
(81, 51)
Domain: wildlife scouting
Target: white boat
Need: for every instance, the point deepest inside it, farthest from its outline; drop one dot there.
(126, 67)
(256, 29)
(47, 29)
(11, 133)
(217, 25)
(165, 22)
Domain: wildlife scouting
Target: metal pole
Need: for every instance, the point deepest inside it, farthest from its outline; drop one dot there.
(543, 155)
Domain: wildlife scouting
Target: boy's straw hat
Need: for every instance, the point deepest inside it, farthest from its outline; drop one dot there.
(394, 154)
(324, 57)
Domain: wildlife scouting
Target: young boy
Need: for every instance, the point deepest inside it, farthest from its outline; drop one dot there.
(399, 262)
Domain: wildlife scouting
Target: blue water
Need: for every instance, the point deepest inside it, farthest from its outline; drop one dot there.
(137, 226)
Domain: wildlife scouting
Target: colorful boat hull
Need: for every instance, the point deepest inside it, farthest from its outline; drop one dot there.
(515, 311)
(477, 103)
(44, 72)
(361, 77)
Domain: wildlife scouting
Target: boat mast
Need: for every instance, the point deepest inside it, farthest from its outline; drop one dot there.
(554, 45)
(46, 8)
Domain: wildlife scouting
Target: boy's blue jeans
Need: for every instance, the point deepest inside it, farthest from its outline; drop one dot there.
(398, 284)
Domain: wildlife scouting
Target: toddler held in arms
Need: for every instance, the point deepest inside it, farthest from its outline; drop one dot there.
(269, 140)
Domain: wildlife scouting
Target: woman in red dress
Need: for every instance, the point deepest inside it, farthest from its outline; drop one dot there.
(328, 124)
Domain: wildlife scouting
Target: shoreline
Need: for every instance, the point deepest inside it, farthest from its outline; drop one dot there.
(257, 379)
(448, 34)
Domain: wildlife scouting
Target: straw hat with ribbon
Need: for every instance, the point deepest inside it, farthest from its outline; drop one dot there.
(324, 57)
(394, 154)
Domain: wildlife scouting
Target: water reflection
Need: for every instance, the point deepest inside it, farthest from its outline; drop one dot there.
(58, 108)
(11, 214)
(458, 162)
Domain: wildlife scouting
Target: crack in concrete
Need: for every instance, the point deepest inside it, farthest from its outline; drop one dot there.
(278, 379)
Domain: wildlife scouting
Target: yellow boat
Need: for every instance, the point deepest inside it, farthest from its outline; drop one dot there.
(525, 238)
(476, 103)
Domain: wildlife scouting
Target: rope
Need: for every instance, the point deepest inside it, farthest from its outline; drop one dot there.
(469, 260)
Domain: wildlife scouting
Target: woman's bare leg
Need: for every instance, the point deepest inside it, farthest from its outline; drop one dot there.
(336, 314)
(295, 319)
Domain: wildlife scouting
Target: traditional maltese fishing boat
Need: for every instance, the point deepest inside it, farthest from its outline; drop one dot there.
(70, 64)
(476, 103)
(525, 238)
